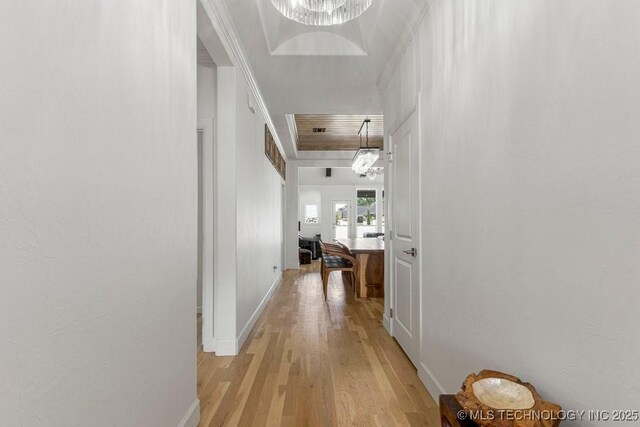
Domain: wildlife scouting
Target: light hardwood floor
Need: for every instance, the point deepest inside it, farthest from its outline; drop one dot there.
(309, 362)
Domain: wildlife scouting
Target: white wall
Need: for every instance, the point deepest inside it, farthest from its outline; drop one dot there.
(248, 216)
(207, 92)
(325, 195)
(312, 195)
(339, 176)
(530, 195)
(97, 213)
(291, 216)
(317, 189)
(225, 217)
(343, 184)
(259, 215)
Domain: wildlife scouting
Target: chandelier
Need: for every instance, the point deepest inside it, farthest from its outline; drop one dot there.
(365, 157)
(373, 172)
(321, 12)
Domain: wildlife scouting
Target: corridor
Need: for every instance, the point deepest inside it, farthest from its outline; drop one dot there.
(308, 362)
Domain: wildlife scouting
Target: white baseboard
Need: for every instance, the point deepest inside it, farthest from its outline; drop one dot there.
(209, 346)
(232, 347)
(192, 417)
(244, 334)
(430, 382)
(386, 323)
(225, 347)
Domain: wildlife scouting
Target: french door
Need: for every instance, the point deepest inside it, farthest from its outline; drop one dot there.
(341, 218)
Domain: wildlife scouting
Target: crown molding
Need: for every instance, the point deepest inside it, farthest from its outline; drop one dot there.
(403, 43)
(293, 131)
(222, 23)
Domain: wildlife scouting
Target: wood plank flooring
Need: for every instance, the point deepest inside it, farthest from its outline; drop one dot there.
(309, 362)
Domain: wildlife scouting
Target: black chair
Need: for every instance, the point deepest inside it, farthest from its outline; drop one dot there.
(305, 256)
(311, 244)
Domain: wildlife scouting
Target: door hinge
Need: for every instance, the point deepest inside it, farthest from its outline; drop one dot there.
(390, 156)
(390, 234)
(391, 312)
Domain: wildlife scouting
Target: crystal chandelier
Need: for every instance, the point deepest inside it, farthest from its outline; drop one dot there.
(321, 12)
(365, 157)
(373, 172)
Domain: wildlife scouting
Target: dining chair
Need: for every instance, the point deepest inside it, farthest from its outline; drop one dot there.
(336, 257)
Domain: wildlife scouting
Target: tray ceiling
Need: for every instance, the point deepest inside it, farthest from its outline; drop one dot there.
(310, 70)
(332, 132)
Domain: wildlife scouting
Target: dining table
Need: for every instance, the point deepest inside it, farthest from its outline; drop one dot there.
(369, 253)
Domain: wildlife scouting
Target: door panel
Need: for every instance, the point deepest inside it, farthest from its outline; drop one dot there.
(403, 188)
(403, 296)
(404, 240)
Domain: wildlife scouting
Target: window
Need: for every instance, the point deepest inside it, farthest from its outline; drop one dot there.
(311, 215)
(366, 220)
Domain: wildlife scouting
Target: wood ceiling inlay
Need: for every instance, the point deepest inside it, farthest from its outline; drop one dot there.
(340, 132)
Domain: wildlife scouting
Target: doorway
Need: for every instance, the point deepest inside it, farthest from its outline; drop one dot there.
(200, 234)
(206, 185)
(341, 212)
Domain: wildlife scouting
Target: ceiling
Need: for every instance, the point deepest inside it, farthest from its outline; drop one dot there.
(318, 70)
(331, 132)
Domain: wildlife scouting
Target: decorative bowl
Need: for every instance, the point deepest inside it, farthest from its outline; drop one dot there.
(500, 393)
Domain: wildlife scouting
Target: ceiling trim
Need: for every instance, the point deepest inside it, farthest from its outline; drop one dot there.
(403, 43)
(293, 131)
(221, 20)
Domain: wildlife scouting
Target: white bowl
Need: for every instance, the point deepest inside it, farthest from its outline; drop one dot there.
(499, 393)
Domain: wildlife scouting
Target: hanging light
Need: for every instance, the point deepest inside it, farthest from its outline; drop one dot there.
(365, 157)
(373, 172)
(321, 12)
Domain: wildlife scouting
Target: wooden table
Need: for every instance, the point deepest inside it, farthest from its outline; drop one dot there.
(370, 255)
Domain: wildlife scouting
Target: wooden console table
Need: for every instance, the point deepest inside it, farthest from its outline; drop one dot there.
(449, 409)
(369, 253)
(452, 415)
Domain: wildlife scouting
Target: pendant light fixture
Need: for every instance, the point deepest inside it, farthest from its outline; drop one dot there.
(365, 157)
(372, 173)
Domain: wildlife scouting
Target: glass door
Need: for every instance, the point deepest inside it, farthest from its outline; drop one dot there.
(341, 212)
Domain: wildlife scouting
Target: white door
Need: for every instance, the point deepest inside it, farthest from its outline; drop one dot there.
(404, 237)
(340, 218)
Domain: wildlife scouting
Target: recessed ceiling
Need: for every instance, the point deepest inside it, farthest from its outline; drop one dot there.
(307, 70)
(332, 132)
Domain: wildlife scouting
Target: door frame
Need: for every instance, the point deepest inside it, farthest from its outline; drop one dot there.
(208, 186)
(283, 225)
(388, 320)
